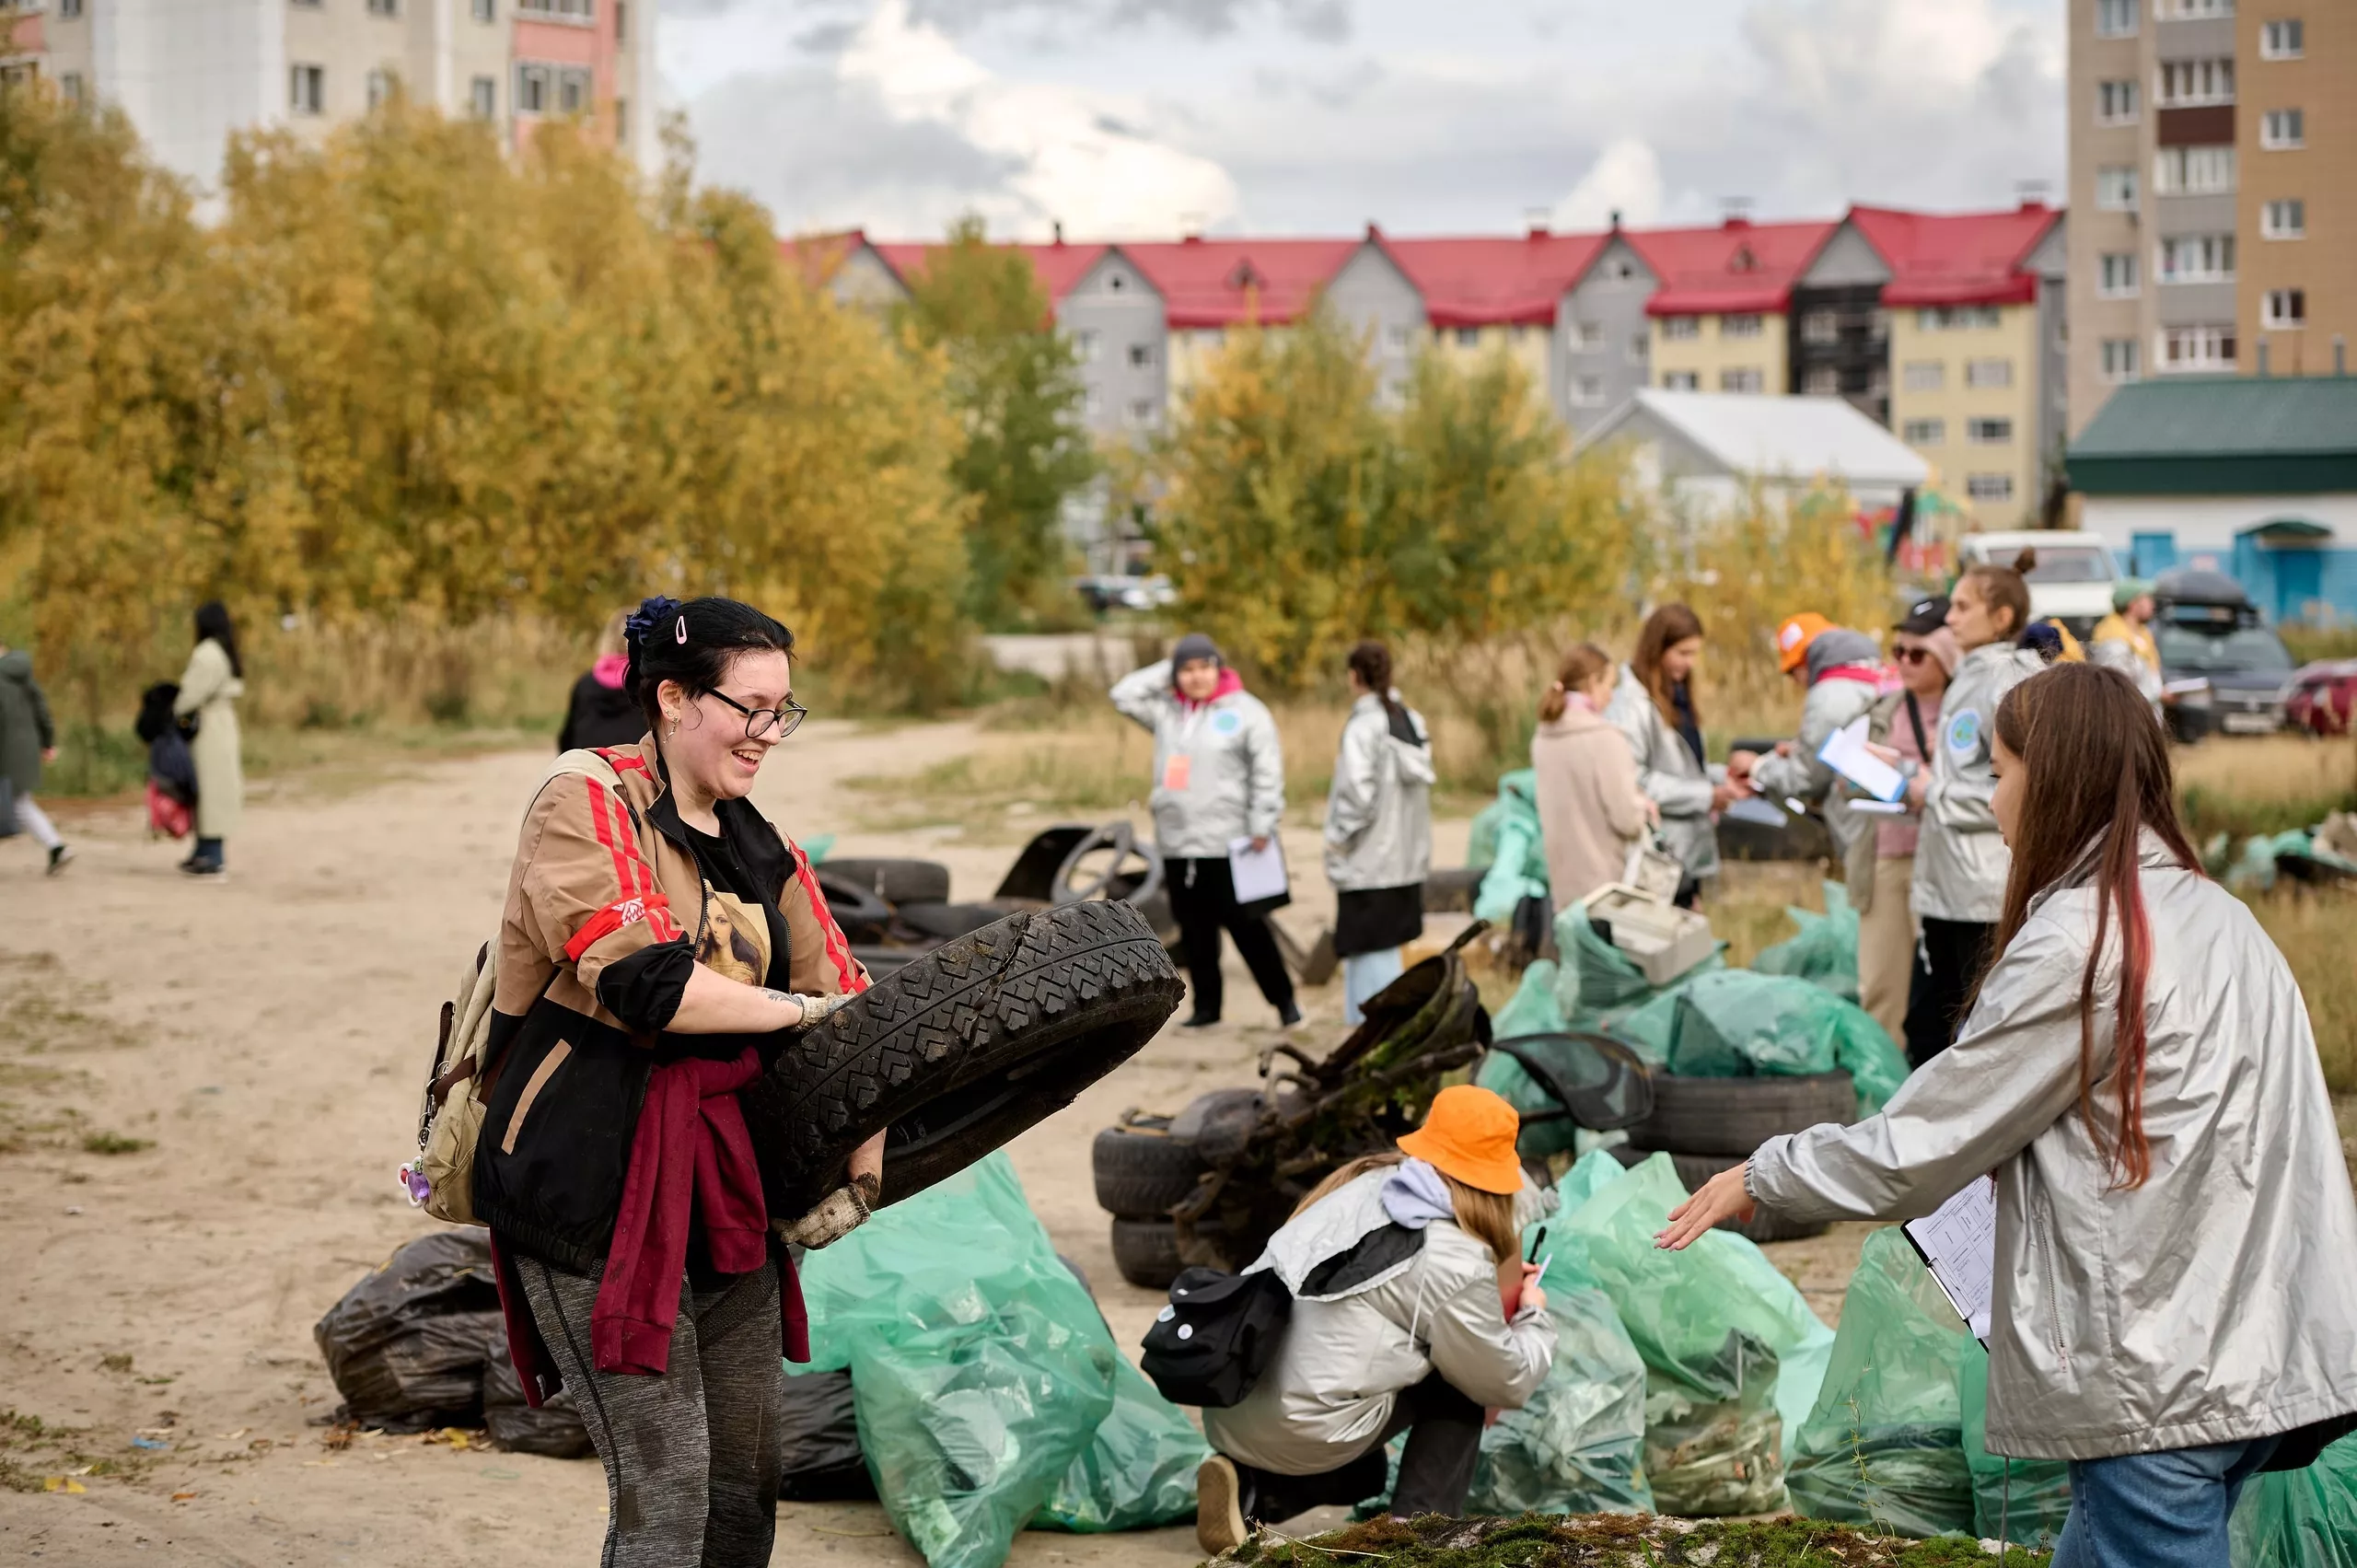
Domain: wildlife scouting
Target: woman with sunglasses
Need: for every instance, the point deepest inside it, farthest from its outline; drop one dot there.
(661, 943)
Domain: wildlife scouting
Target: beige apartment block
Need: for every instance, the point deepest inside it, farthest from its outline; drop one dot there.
(1736, 351)
(2295, 124)
(1964, 394)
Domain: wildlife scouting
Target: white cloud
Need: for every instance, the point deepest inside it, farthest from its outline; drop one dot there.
(1625, 179)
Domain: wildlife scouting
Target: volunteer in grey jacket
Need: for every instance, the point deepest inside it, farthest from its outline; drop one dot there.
(2176, 1285)
(1654, 705)
(1412, 1312)
(1378, 829)
(1843, 672)
(1219, 777)
(1960, 859)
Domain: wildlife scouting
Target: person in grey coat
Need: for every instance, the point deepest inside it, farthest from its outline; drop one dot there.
(28, 739)
(1219, 780)
(1843, 671)
(2174, 1302)
(1654, 705)
(1378, 829)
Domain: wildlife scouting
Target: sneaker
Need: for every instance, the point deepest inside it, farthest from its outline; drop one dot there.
(1288, 1016)
(1219, 1506)
(1199, 1021)
(58, 857)
(202, 867)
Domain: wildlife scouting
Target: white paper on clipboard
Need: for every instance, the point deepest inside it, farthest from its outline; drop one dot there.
(1959, 1243)
(1845, 753)
(1258, 874)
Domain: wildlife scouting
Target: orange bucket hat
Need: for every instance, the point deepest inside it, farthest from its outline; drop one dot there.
(1470, 1134)
(1793, 637)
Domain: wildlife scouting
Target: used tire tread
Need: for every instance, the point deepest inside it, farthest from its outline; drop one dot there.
(1142, 1175)
(1735, 1116)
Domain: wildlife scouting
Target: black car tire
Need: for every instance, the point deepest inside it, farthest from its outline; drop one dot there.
(942, 922)
(1450, 890)
(1693, 1170)
(1147, 1252)
(958, 1050)
(1735, 1116)
(894, 881)
(861, 913)
(1142, 1175)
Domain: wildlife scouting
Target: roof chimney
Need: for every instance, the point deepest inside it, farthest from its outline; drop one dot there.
(1535, 220)
(1615, 219)
(2031, 194)
(1057, 226)
(1738, 210)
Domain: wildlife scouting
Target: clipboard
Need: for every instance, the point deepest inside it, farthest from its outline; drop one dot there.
(1261, 880)
(1957, 1242)
(1845, 753)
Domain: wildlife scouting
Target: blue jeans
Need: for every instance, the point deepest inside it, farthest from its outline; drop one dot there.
(2164, 1510)
(1363, 974)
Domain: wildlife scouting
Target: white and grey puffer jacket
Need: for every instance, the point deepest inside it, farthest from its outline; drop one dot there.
(1669, 774)
(1234, 770)
(2214, 1303)
(1961, 864)
(1379, 1303)
(1832, 703)
(1379, 812)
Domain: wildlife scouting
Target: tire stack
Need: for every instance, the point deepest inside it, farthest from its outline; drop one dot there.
(1708, 1125)
(1144, 1167)
(891, 909)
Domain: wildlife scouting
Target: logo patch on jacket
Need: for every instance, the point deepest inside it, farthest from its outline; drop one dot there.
(1964, 732)
(1226, 723)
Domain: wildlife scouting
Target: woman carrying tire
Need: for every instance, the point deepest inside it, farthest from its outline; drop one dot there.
(1412, 1312)
(661, 941)
(1654, 705)
(1219, 777)
(2174, 1310)
(210, 687)
(1960, 861)
(1378, 829)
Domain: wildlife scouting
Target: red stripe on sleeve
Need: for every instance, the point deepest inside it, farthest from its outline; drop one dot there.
(850, 974)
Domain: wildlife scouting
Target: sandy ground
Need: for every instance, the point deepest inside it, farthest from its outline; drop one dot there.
(265, 1036)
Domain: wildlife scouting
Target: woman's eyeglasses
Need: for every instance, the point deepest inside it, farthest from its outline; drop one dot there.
(758, 722)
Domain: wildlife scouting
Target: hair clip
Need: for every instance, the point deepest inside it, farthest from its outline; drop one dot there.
(680, 630)
(647, 616)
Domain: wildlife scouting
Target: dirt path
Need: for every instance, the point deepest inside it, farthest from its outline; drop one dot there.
(263, 1037)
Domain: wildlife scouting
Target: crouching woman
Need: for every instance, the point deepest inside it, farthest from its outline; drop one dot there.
(2177, 1243)
(662, 941)
(1413, 1311)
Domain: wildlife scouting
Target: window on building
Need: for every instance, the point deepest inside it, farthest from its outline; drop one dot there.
(2287, 219)
(69, 11)
(2185, 83)
(384, 8)
(2198, 258)
(1923, 375)
(1468, 337)
(1141, 413)
(2284, 38)
(2198, 348)
(2116, 275)
(1955, 317)
(2122, 359)
(1743, 326)
(2193, 171)
(532, 96)
(1742, 380)
(1084, 345)
(1680, 381)
(2193, 10)
(2116, 103)
(1820, 327)
(1588, 391)
(574, 10)
(485, 10)
(1640, 348)
(1989, 486)
(69, 87)
(621, 23)
(621, 122)
(1923, 432)
(1398, 337)
(1678, 328)
(380, 85)
(307, 88)
(1141, 356)
(2285, 308)
(1988, 372)
(1821, 380)
(1093, 402)
(2282, 128)
(1989, 432)
(2115, 18)
(2115, 188)
(571, 91)
(1587, 335)
(482, 97)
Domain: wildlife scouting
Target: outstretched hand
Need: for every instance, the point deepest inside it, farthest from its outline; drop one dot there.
(1722, 1198)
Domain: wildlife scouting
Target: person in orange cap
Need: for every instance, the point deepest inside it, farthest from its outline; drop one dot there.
(1843, 674)
(1399, 1265)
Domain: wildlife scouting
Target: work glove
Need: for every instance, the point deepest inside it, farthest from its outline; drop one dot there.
(835, 1215)
(816, 1010)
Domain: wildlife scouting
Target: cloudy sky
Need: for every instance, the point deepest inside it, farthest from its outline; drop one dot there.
(1147, 117)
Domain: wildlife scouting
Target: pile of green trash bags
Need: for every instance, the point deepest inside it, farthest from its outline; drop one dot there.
(1505, 840)
(2300, 1518)
(989, 1393)
(2015, 1499)
(1826, 952)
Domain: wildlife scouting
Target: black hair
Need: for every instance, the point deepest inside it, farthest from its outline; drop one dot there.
(212, 620)
(1372, 663)
(693, 644)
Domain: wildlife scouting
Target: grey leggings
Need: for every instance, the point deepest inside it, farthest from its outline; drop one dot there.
(692, 1457)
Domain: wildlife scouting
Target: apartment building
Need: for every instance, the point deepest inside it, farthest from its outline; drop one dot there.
(191, 72)
(2214, 165)
(1719, 316)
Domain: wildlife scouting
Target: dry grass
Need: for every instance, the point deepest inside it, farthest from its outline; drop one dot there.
(2316, 931)
(2264, 785)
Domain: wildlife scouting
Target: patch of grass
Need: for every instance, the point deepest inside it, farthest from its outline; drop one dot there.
(2307, 643)
(113, 1144)
(2313, 927)
(2264, 785)
(1540, 1540)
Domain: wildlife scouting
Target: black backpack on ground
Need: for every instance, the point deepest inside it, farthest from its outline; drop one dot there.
(1210, 1344)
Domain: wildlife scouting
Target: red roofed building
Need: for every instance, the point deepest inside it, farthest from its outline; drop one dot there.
(1718, 310)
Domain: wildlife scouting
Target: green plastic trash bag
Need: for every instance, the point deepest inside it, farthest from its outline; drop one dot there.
(1738, 1023)
(1716, 1325)
(1599, 987)
(1826, 952)
(1506, 839)
(981, 1371)
(1532, 1011)
(1578, 1445)
(1884, 1448)
(2300, 1518)
(1137, 1473)
(2023, 1500)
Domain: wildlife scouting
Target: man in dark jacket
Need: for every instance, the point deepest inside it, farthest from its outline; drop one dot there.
(28, 738)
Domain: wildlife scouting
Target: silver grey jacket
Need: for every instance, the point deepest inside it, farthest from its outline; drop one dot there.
(1234, 770)
(1669, 775)
(1802, 777)
(1379, 812)
(2114, 653)
(2215, 1303)
(1960, 863)
(1346, 1357)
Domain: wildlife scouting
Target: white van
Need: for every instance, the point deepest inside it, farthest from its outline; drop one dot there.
(2071, 581)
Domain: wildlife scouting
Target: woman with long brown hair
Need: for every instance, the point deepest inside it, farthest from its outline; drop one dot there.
(1590, 811)
(2176, 1255)
(1655, 706)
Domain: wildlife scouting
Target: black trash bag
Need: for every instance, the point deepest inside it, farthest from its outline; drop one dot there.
(408, 1344)
(823, 1462)
(555, 1429)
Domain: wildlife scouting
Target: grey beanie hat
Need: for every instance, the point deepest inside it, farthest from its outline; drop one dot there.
(1839, 646)
(1192, 647)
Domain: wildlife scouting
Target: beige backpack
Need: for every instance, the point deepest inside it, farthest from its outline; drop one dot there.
(441, 1178)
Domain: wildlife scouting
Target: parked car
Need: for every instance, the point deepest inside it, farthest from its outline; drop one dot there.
(1117, 592)
(2212, 634)
(2324, 697)
(2071, 581)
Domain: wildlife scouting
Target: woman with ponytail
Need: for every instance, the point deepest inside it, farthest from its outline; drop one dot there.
(2176, 1281)
(1591, 809)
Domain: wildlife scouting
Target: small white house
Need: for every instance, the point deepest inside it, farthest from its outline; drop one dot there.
(1710, 448)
